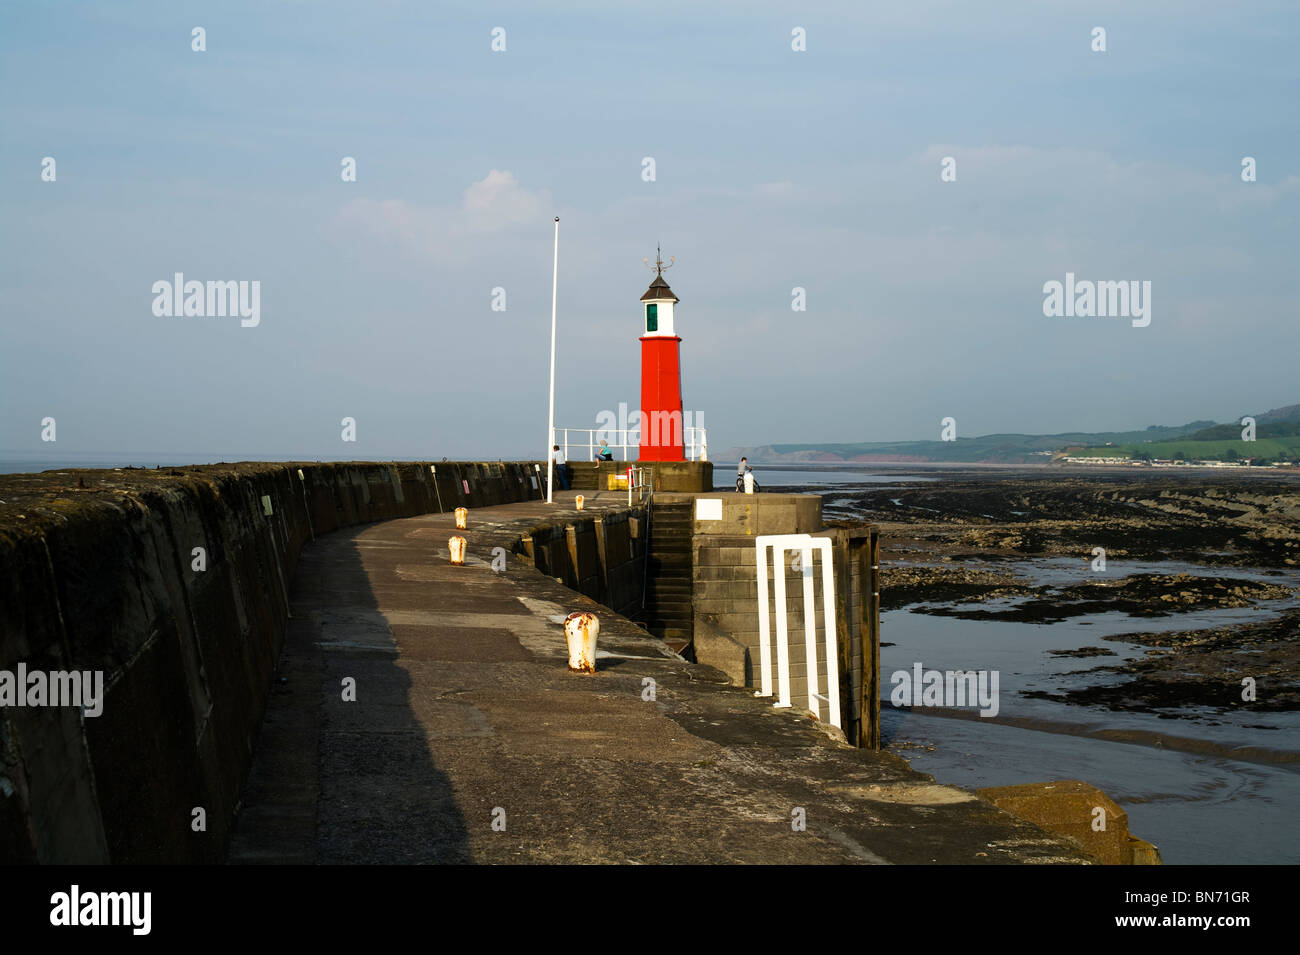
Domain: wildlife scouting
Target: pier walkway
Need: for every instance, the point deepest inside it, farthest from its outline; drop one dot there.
(470, 741)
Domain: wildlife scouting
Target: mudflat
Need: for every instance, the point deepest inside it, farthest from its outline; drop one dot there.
(957, 548)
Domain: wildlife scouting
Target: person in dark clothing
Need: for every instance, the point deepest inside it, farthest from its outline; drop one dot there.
(561, 466)
(741, 470)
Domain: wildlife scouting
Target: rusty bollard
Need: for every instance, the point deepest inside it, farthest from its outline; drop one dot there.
(580, 630)
(457, 547)
(462, 515)
(578, 501)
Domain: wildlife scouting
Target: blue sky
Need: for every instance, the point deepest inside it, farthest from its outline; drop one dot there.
(774, 169)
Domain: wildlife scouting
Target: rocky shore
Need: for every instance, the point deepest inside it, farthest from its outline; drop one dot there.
(950, 547)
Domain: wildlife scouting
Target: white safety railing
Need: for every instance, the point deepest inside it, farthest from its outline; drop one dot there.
(639, 480)
(804, 544)
(694, 442)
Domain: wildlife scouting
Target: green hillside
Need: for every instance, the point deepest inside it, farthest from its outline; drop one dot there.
(1273, 449)
(1002, 448)
(1277, 435)
(1020, 443)
(1277, 438)
(1232, 431)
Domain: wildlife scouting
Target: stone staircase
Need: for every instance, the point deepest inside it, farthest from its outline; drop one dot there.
(668, 612)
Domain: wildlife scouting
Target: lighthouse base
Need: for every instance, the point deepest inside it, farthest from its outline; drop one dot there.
(668, 475)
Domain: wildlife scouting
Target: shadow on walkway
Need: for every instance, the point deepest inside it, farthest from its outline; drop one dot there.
(335, 779)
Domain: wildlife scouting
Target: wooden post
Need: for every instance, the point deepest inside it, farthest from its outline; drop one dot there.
(574, 579)
(846, 641)
(869, 735)
(602, 556)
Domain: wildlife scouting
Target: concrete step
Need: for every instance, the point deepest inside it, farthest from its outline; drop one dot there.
(657, 624)
(674, 612)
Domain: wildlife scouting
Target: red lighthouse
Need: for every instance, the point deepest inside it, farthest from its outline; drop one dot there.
(661, 374)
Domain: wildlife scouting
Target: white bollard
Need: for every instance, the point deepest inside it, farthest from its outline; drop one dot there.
(580, 630)
(457, 547)
(749, 482)
(462, 515)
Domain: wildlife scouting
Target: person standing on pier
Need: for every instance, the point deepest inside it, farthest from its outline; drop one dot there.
(561, 467)
(741, 470)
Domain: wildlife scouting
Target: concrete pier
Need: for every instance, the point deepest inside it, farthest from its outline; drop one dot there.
(468, 740)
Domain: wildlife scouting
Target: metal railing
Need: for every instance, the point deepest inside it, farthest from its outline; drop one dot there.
(804, 544)
(639, 480)
(694, 442)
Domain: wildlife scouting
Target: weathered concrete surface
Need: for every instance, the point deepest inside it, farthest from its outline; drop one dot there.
(174, 585)
(465, 712)
(724, 598)
(755, 514)
(681, 475)
(1079, 811)
(668, 475)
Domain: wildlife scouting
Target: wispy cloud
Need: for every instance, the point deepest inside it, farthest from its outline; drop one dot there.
(495, 204)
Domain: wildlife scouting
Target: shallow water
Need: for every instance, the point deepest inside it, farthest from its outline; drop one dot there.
(1202, 806)
(1177, 776)
(1019, 651)
(1197, 809)
(781, 480)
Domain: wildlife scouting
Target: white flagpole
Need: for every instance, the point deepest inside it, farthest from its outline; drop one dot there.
(550, 429)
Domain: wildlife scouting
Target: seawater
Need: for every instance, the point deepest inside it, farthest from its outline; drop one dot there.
(1203, 806)
(1200, 806)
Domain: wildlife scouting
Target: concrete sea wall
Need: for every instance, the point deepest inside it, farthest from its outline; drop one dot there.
(725, 601)
(601, 556)
(174, 585)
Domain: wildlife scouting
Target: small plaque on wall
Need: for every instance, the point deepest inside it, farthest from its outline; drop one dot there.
(708, 508)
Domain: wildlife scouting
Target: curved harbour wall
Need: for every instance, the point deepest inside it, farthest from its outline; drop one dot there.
(174, 585)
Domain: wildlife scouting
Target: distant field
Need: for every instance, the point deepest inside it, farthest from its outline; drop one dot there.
(1272, 448)
(1277, 437)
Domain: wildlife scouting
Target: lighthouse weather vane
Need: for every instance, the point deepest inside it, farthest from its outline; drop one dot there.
(659, 265)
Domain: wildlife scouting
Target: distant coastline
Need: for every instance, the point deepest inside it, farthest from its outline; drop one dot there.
(1267, 438)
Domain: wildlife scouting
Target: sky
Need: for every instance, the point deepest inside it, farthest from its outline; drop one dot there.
(774, 169)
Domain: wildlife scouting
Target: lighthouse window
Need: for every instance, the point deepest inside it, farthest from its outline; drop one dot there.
(652, 318)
